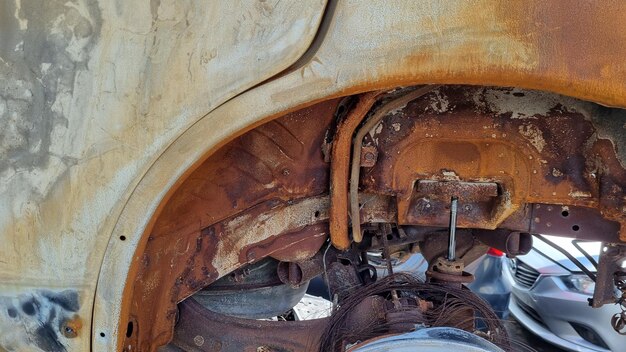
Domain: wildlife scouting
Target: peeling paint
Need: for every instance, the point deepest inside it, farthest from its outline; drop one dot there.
(269, 224)
(579, 194)
(525, 105)
(534, 136)
(439, 102)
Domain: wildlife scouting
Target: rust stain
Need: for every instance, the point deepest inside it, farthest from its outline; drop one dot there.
(551, 46)
(479, 142)
(72, 327)
(355, 167)
(272, 165)
(465, 191)
(298, 245)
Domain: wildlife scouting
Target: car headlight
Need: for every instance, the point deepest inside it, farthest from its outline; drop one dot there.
(580, 283)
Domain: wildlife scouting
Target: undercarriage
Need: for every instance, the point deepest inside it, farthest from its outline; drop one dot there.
(346, 187)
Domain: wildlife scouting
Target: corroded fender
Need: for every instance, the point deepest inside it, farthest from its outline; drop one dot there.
(107, 105)
(91, 93)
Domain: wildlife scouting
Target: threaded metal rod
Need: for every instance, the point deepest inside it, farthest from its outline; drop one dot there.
(452, 230)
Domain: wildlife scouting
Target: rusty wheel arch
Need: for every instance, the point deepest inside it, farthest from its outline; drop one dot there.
(282, 170)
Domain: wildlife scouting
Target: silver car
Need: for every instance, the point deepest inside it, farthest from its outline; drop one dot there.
(550, 298)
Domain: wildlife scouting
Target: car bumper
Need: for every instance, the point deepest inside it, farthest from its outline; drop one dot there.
(548, 310)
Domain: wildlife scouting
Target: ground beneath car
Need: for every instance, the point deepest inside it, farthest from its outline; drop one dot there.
(519, 333)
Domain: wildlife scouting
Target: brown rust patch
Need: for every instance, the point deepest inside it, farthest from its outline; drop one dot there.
(340, 169)
(576, 222)
(475, 139)
(299, 245)
(273, 164)
(71, 328)
(551, 46)
(280, 155)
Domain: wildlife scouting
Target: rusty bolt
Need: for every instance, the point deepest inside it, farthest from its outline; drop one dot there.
(69, 332)
(198, 340)
(71, 327)
(369, 155)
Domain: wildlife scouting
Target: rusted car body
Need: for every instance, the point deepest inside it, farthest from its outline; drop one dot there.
(151, 148)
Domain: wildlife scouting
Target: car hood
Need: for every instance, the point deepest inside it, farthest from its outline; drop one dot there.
(547, 260)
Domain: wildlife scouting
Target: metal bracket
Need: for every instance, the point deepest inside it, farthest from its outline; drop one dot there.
(610, 265)
(465, 191)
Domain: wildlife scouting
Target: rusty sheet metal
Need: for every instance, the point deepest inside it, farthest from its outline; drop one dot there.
(277, 159)
(431, 199)
(292, 230)
(465, 191)
(538, 148)
(304, 242)
(259, 173)
(189, 262)
(340, 169)
(575, 222)
(355, 167)
(609, 265)
(264, 193)
(552, 46)
(92, 93)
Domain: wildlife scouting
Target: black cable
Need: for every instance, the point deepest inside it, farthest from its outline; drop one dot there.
(587, 255)
(591, 275)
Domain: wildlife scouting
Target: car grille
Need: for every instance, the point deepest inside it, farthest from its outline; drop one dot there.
(524, 274)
